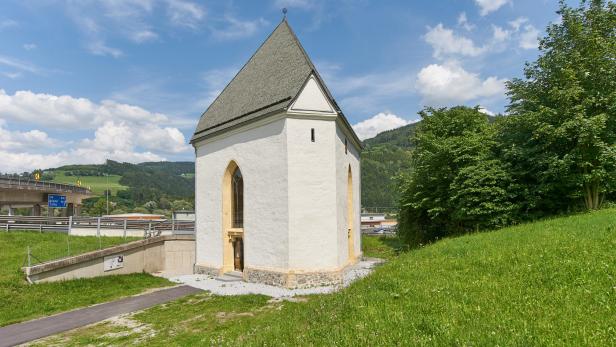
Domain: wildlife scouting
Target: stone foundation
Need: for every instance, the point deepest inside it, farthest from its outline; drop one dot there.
(272, 278)
(291, 280)
(314, 279)
(205, 270)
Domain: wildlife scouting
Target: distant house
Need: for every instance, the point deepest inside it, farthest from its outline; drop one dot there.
(136, 216)
(277, 174)
(372, 220)
(184, 216)
(376, 220)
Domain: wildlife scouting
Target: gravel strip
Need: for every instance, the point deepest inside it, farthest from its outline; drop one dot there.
(205, 282)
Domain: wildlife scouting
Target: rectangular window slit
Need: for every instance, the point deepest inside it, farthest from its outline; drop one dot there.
(312, 134)
(346, 147)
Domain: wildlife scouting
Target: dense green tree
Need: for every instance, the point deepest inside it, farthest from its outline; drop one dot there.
(560, 138)
(181, 205)
(456, 184)
(99, 208)
(150, 206)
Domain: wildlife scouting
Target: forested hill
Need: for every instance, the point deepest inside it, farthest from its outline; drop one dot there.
(399, 137)
(137, 182)
(384, 157)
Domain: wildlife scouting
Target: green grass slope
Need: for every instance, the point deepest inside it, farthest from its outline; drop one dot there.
(547, 283)
(21, 301)
(97, 184)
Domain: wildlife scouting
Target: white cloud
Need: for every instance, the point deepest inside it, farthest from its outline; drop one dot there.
(464, 23)
(185, 14)
(20, 140)
(444, 41)
(488, 6)
(100, 48)
(8, 23)
(236, 29)
(29, 46)
(65, 111)
(378, 123)
(23, 161)
(370, 92)
(11, 75)
(529, 37)
(144, 36)
(486, 111)
(517, 23)
(500, 34)
(120, 132)
(450, 83)
(17, 68)
(19, 65)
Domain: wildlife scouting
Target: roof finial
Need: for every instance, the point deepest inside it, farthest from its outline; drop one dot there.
(284, 13)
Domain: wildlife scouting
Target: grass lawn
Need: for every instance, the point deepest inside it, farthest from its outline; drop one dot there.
(97, 184)
(384, 247)
(547, 283)
(21, 301)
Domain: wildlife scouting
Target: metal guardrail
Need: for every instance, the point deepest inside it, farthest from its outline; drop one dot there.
(29, 184)
(65, 224)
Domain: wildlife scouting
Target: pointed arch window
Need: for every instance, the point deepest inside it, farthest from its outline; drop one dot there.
(237, 199)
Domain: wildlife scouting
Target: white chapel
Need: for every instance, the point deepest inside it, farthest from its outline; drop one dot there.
(277, 174)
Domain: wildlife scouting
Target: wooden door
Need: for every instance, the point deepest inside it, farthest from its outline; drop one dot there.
(238, 254)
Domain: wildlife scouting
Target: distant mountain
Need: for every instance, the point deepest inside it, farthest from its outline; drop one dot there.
(399, 137)
(384, 157)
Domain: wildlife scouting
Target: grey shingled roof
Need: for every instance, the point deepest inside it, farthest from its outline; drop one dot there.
(268, 83)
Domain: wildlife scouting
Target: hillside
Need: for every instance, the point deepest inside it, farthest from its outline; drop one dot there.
(384, 157)
(137, 182)
(546, 283)
(399, 137)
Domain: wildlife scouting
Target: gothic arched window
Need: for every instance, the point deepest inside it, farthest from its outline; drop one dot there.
(237, 199)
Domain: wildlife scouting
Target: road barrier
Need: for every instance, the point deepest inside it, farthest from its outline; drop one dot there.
(96, 225)
(30, 184)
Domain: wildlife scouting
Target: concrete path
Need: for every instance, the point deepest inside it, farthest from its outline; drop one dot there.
(15, 334)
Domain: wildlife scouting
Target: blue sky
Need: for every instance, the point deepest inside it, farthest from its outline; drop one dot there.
(82, 81)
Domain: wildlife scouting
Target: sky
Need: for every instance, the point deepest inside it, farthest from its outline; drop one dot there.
(85, 81)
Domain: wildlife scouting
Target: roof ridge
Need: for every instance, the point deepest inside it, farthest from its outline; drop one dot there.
(312, 66)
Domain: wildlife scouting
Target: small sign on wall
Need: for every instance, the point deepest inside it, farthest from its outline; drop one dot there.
(113, 262)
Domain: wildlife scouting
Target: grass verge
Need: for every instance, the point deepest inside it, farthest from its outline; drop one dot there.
(547, 283)
(21, 301)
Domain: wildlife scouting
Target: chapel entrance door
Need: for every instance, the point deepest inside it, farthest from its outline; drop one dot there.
(238, 254)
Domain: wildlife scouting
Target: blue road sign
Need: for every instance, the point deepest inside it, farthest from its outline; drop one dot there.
(54, 200)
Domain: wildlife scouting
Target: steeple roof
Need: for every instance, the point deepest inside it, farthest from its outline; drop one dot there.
(268, 83)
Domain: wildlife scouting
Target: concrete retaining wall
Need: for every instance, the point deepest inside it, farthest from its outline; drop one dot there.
(169, 254)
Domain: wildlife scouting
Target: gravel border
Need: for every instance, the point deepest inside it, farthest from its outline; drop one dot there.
(205, 282)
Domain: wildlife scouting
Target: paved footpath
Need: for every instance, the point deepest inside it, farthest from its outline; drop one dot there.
(28, 331)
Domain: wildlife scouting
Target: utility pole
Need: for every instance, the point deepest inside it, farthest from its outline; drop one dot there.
(107, 193)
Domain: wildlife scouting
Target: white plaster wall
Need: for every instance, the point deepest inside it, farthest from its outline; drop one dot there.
(312, 98)
(312, 194)
(342, 166)
(260, 153)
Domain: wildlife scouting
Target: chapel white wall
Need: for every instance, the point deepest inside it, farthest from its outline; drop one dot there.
(343, 161)
(312, 195)
(261, 154)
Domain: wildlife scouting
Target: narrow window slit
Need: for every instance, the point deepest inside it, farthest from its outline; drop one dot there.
(312, 134)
